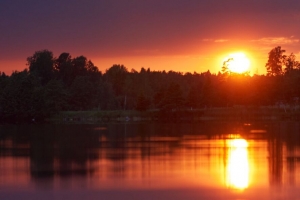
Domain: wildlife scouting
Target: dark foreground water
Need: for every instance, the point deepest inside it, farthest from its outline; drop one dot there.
(229, 160)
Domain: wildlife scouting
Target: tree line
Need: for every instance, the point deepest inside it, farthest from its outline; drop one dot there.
(51, 84)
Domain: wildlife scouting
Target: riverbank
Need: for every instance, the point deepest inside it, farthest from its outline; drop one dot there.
(231, 113)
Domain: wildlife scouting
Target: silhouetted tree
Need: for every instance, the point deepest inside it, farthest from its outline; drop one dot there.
(159, 97)
(225, 69)
(291, 63)
(142, 103)
(65, 83)
(276, 61)
(64, 68)
(56, 96)
(22, 97)
(3, 81)
(42, 65)
(105, 97)
(194, 97)
(117, 76)
(82, 93)
(173, 98)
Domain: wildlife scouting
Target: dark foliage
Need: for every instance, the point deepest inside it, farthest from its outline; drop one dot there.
(54, 84)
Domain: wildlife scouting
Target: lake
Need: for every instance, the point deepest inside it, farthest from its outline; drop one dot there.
(205, 160)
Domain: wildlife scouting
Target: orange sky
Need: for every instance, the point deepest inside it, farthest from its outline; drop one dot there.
(176, 35)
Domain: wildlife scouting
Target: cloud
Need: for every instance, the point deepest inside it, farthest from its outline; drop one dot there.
(207, 40)
(277, 40)
(215, 40)
(221, 40)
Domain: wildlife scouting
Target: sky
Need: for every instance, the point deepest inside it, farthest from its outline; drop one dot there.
(178, 35)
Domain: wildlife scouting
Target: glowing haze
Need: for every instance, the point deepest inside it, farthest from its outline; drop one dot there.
(179, 35)
(238, 62)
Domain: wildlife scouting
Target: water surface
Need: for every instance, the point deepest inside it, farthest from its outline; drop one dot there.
(215, 160)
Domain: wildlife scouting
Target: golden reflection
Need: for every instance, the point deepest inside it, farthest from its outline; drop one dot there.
(237, 164)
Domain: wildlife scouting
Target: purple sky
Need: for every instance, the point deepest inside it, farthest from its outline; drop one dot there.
(179, 35)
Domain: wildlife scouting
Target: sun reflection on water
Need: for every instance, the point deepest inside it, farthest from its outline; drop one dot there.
(237, 164)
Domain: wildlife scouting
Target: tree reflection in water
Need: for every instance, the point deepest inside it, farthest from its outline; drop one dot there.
(153, 157)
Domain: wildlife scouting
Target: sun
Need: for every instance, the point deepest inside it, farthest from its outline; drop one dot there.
(238, 62)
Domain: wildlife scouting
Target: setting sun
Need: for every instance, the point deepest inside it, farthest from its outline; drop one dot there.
(238, 62)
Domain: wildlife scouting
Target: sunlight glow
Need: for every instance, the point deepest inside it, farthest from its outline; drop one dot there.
(239, 63)
(238, 164)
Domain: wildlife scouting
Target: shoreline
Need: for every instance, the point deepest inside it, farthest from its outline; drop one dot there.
(208, 114)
